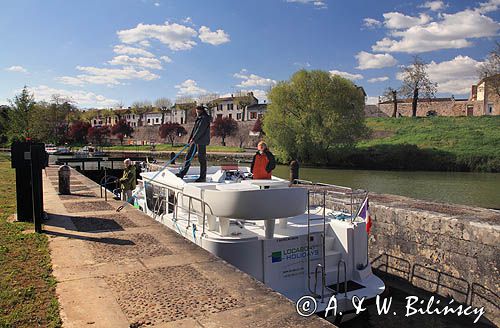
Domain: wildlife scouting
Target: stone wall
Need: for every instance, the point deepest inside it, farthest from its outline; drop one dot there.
(442, 107)
(144, 134)
(450, 250)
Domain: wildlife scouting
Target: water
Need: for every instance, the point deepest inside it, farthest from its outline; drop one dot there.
(476, 189)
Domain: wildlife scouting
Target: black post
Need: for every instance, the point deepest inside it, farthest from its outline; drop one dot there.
(294, 170)
(37, 164)
(20, 155)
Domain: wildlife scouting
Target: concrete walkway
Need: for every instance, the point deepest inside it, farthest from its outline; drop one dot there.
(126, 270)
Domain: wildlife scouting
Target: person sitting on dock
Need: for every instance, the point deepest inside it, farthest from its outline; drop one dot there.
(263, 162)
(128, 180)
(198, 141)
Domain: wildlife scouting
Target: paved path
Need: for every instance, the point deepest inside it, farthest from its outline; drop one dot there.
(126, 270)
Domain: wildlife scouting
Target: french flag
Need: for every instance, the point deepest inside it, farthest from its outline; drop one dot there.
(365, 214)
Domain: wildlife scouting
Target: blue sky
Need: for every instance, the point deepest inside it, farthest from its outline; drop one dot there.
(104, 52)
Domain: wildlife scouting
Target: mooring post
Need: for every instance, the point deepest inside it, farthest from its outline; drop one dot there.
(64, 180)
(294, 170)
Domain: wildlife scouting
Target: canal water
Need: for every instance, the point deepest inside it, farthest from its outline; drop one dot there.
(476, 189)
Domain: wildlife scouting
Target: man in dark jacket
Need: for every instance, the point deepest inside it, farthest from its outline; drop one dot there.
(263, 162)
(199, 139)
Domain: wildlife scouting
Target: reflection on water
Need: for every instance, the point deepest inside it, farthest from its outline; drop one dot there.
(476, 189)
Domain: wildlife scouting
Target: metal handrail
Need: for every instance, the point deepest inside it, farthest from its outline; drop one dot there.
(320, 267)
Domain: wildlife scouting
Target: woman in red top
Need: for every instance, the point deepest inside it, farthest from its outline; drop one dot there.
(263, 162)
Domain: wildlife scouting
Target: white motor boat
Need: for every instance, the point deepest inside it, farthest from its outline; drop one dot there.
(298, 241)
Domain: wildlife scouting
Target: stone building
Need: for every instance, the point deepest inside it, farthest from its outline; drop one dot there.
(234, 106)
(483, 100)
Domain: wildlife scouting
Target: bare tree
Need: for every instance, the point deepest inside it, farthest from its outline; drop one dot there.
(491, 68)
(165, 105)
(416, 83)
(391, 94)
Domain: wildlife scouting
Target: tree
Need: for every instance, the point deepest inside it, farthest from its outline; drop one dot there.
(4, 124)
(164, 104)
(391, 94)
(78, 131)
(257, 127)
(243, 102)
(121, 130)
(21, 107)
(224, 127)
(98, 133)
(171, 131)
(416, 83)
(312, 114)
(491, 68)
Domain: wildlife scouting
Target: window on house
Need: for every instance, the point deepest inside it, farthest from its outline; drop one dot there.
(219, 107)
(230, 106)
(219, 115)
(157, 120)
(133, 117)
(149, 121)
(253, 115)
(182, 120)
(230, 115)
(490, 108)
(238, 116)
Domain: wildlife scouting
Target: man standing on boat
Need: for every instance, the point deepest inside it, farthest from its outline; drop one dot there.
(263, 162)
(198, 141)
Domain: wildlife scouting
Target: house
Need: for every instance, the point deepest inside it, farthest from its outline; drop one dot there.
(255, 111)
(233, 106)
(153, 117)
(485, 97)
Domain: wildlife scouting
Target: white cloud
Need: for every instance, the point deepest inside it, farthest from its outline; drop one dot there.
(395, 20)
(347, 75)
(17, 69)
(166, 59)
(189, 88)
(488, 6)
(252, 80)
(214, 38)
(367, 60)
(371, 22)
(157, 4)
(454, 76)
(175, 36)
(378, 79)
(109, 76)
(452, 31)
(261, 95)
(318, 4)
(136, 61)
(131, 51)
(80, 97)
(434, 5)
(304, 65)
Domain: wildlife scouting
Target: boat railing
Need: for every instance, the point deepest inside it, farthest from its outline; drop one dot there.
(336, 197)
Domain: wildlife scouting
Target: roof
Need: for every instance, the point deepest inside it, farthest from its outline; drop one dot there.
(257, 107)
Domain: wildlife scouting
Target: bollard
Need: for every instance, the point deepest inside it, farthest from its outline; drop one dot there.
(64, 180)
(294, 170)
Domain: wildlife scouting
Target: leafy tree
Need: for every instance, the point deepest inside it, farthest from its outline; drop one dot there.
(121, 130)
(491, 68)
(78, 132)
(224, 127)
(21, 107)
(416, 83)
(4, 124)
(257, 127)
(98, 134)
(171, 131)
(49, 121)
(312, 114)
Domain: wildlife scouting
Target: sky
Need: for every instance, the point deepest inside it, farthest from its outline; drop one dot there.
(101, 53)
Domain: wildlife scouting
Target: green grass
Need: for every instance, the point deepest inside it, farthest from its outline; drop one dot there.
(433, 143)
(471, 136)
(27, 287)
(167, 147)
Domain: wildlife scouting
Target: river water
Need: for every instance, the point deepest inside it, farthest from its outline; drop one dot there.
(476, 189)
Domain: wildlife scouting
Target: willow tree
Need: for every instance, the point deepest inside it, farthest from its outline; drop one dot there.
(312, 114)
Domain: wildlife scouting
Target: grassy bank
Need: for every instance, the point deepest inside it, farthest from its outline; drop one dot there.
(436, 143)
(167, 147)
(27, 287)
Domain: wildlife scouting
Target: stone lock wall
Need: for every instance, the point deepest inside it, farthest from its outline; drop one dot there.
(449, 250)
